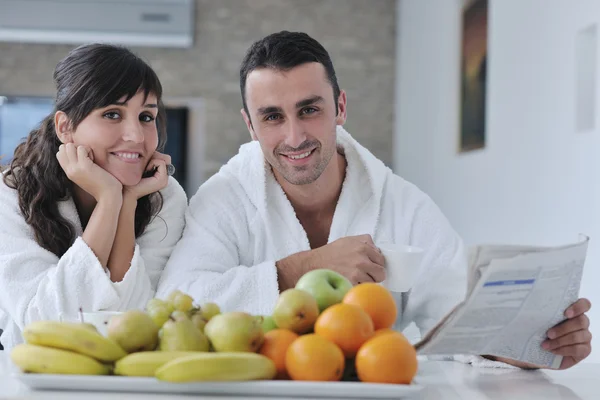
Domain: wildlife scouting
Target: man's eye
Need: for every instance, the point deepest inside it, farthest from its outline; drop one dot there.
(272, 117)
(308, 110)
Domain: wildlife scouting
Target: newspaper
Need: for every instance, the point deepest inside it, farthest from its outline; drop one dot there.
(515, 294)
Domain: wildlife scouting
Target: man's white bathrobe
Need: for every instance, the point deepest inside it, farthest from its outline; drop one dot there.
(240, 223)
(37, 285)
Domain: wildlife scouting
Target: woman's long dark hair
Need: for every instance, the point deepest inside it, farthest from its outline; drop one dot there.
(90, 77)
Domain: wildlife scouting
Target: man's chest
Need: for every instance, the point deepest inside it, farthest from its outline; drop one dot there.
(317, 232)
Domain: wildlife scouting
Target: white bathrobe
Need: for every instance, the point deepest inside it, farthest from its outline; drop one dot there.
(240, 223)
(37, 285)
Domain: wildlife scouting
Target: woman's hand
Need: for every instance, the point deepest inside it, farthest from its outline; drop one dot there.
(78, 164)
(154, 183)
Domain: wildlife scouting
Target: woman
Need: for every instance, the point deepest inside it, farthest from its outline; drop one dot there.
(89, 215)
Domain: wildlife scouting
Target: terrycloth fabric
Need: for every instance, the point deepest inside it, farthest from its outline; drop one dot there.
(240, 223)
(36, 285)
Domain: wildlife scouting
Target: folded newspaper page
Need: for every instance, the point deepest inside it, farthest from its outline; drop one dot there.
(515, 294)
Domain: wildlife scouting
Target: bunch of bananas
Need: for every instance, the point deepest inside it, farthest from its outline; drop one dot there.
(53, 347)
(65, 348)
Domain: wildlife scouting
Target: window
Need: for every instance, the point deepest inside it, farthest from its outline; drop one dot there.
(18, 116)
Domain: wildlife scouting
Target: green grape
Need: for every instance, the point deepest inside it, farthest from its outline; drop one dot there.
(209, 310)
(160, 314)
(183, 302)
(171, 297)
(155, 302)
(179, 315)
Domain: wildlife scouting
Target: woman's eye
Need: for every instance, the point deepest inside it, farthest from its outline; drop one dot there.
(111, 115)
(146, 118)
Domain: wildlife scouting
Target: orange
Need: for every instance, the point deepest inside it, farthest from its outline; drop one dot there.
(346, 325)
(387, 358)
(314, 358)
(275, 346)
(384, 331)
(377, 301)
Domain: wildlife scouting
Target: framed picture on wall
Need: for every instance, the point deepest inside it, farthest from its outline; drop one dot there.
(473, 75)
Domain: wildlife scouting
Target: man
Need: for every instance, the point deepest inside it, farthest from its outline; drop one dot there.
(304, 194)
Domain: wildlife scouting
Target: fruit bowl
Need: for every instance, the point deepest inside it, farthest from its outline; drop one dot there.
(267, 388)
(324, 337)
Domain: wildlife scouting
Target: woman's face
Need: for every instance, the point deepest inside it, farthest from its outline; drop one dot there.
(123, 137)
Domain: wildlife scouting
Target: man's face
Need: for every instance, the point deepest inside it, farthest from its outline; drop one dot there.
(293, 116)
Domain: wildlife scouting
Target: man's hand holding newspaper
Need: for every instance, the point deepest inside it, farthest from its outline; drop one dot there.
(571, 339)
(521, 308)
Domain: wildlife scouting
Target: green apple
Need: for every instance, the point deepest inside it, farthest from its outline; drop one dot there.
(296, 310)
(327, 287)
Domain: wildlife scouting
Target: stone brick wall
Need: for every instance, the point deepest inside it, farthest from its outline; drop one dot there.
(359, 35)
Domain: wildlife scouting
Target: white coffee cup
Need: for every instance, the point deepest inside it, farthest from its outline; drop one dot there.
(100, 319)
(402, 264)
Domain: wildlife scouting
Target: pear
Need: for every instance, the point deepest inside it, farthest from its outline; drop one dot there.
(198, 321)
(296, 310)
(180, 334)
(134, 330)
(235, 331)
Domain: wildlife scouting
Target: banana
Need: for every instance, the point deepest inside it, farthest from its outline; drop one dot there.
(145, 363)
(74, 337)
(224, 366)
(46, 360)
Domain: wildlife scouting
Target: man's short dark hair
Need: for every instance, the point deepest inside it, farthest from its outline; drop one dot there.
(283, 51)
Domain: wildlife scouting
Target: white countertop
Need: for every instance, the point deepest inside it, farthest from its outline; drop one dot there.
(445, 380)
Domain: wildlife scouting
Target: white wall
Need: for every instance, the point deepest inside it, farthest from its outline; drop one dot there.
(537, 181)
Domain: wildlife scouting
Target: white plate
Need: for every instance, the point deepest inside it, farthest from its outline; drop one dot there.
(252, 388)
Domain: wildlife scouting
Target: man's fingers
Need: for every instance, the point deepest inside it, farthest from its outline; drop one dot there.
(577, 351)
(581, 336)
(568, 326)
(367, 271)
(365, 277)
(581, 306)
(367, 239)
(374, 255)
(376, 272)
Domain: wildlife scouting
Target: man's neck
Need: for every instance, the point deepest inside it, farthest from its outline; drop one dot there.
(321, 196)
